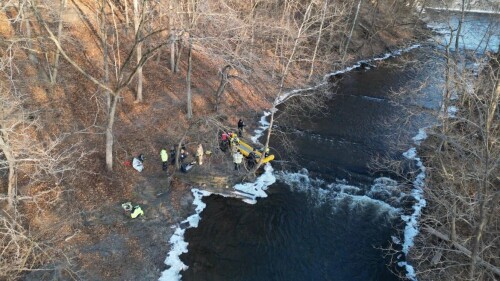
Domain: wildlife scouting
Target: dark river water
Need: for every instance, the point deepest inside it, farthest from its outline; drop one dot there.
(330, 216)
(321, 220)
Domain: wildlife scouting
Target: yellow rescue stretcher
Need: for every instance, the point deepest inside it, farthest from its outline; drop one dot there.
(246, 149)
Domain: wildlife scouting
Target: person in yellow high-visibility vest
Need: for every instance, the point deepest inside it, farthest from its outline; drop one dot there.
(136, 211)
(164, 159)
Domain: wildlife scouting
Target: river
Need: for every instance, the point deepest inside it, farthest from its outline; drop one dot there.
(331, 217)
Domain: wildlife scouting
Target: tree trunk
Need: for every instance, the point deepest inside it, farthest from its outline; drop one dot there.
(104, 42)
(462, 249)
(31, 55)
(420, 12)
(476, 239)
(268, 137)
(172, 37)
(295, 45)
(352, 30)
(448, 82)
(11, 184)
(460, 22)
(223, 82)
(188, 80)
(179, 52)
(127, 20)
(495, 99)
(323, 13)
(453, 230)
(59, 34)
(138, 50)
(109, 131)
(220, 91)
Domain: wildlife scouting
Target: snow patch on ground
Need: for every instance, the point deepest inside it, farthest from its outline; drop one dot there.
(367, 62)
(478, 11)
(263, 126)
(410, 271)
(411, 228)
(422, 135)
(452, 111)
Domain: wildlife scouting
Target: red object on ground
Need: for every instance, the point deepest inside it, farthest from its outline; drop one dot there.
(128, 163)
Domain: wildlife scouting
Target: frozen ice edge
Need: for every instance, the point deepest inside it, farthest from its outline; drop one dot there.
(177, 243)
(250, 190)
(263, 121)
(411, 227)
(478, 11)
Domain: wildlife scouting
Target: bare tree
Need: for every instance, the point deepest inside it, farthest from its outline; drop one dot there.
(25, 252)
(224, 80)
(354, 23)
(460, 240)
(138, 14)
(188, 78)
(125, 71)
(62, 7)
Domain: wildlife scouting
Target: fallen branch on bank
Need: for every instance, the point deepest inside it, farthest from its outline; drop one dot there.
(462, 249)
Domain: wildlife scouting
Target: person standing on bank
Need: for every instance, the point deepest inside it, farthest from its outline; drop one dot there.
(172, 155)
(164, 159)
(241, 126)
(199, 154)
(252, 159)
(237, 159)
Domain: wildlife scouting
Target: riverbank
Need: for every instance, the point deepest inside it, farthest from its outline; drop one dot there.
(458, 225)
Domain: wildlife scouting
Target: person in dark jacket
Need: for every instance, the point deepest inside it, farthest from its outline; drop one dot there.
(241, 126)
(252, 159)
(172, 155)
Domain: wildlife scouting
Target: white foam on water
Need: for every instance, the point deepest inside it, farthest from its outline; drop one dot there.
(373, 98)
(177, 244)
(334, 192)
(386, 188)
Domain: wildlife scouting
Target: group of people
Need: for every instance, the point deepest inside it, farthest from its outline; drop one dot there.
(228, 140)
(138, 162)
(232, 140)
(238, 159)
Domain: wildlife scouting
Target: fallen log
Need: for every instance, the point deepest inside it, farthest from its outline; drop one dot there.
(462, 249)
